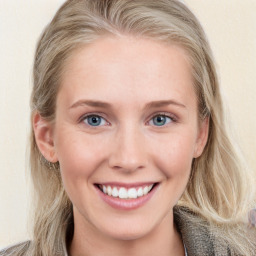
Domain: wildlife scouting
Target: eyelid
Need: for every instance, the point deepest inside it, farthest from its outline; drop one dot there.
(166, 114)
(101, 115)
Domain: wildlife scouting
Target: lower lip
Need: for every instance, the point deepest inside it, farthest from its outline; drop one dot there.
(127, 204)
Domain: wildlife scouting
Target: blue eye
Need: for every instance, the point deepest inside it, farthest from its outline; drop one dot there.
(160, 120)
(94, 120)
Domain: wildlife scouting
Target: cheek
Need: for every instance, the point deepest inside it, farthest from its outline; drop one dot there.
(79, 156)
(174, 155)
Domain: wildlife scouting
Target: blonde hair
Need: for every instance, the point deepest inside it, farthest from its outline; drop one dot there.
(220, 188)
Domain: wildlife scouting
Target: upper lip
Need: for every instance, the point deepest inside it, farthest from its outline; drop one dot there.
(126, 185)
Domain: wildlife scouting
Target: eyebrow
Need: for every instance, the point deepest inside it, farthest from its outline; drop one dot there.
(162, 103)
(101, 104)
(91, 103)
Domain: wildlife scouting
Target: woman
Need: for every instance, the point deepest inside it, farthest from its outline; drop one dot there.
(129, 151)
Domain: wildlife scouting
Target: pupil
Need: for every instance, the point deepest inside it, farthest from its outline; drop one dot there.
(94, 120)
(159, 120)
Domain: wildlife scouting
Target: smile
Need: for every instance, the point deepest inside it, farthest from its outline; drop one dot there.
(125, 193)
(126, 196)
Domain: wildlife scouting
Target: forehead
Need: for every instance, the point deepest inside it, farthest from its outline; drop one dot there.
(119, 67)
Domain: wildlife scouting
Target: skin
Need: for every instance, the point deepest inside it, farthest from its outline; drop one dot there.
(129, 74)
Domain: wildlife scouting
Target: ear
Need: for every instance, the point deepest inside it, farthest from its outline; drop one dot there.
(43, 131)
(202, 137)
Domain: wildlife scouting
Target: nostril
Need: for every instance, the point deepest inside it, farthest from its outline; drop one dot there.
(128, 168)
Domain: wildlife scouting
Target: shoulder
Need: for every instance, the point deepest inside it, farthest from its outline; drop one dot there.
(19, 249)
(196, 234)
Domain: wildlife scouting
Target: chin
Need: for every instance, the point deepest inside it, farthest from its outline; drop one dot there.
(127, 231)
(128, 235)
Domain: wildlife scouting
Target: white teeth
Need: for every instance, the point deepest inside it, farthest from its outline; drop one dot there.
(124, 193)
(132, 193)
(140, 192)
(109, 190)
(115, 192)
(145, 190)
(149, 187)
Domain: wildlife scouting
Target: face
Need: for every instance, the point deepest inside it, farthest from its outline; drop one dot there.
(125, 134)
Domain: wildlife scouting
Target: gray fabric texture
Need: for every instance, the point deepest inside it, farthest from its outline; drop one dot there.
(198, 239)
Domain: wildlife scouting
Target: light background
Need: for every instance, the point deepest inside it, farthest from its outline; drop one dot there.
(231, 29)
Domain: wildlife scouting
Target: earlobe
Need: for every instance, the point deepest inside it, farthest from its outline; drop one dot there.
(202, 137)
(43, 131)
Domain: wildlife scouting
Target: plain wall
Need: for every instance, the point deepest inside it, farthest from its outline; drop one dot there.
(231, 29)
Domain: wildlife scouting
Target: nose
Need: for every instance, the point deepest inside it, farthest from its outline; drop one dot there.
(129, 151)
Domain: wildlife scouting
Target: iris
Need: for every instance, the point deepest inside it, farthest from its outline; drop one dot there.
(160, 120)
(94, 120)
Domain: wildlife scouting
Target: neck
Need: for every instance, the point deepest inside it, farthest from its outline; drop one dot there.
(163, 240)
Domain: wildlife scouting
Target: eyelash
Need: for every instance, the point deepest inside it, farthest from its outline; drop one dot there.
(83, 118)
(173, 119)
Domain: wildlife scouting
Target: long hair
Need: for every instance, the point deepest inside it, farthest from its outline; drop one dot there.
(220, 189)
